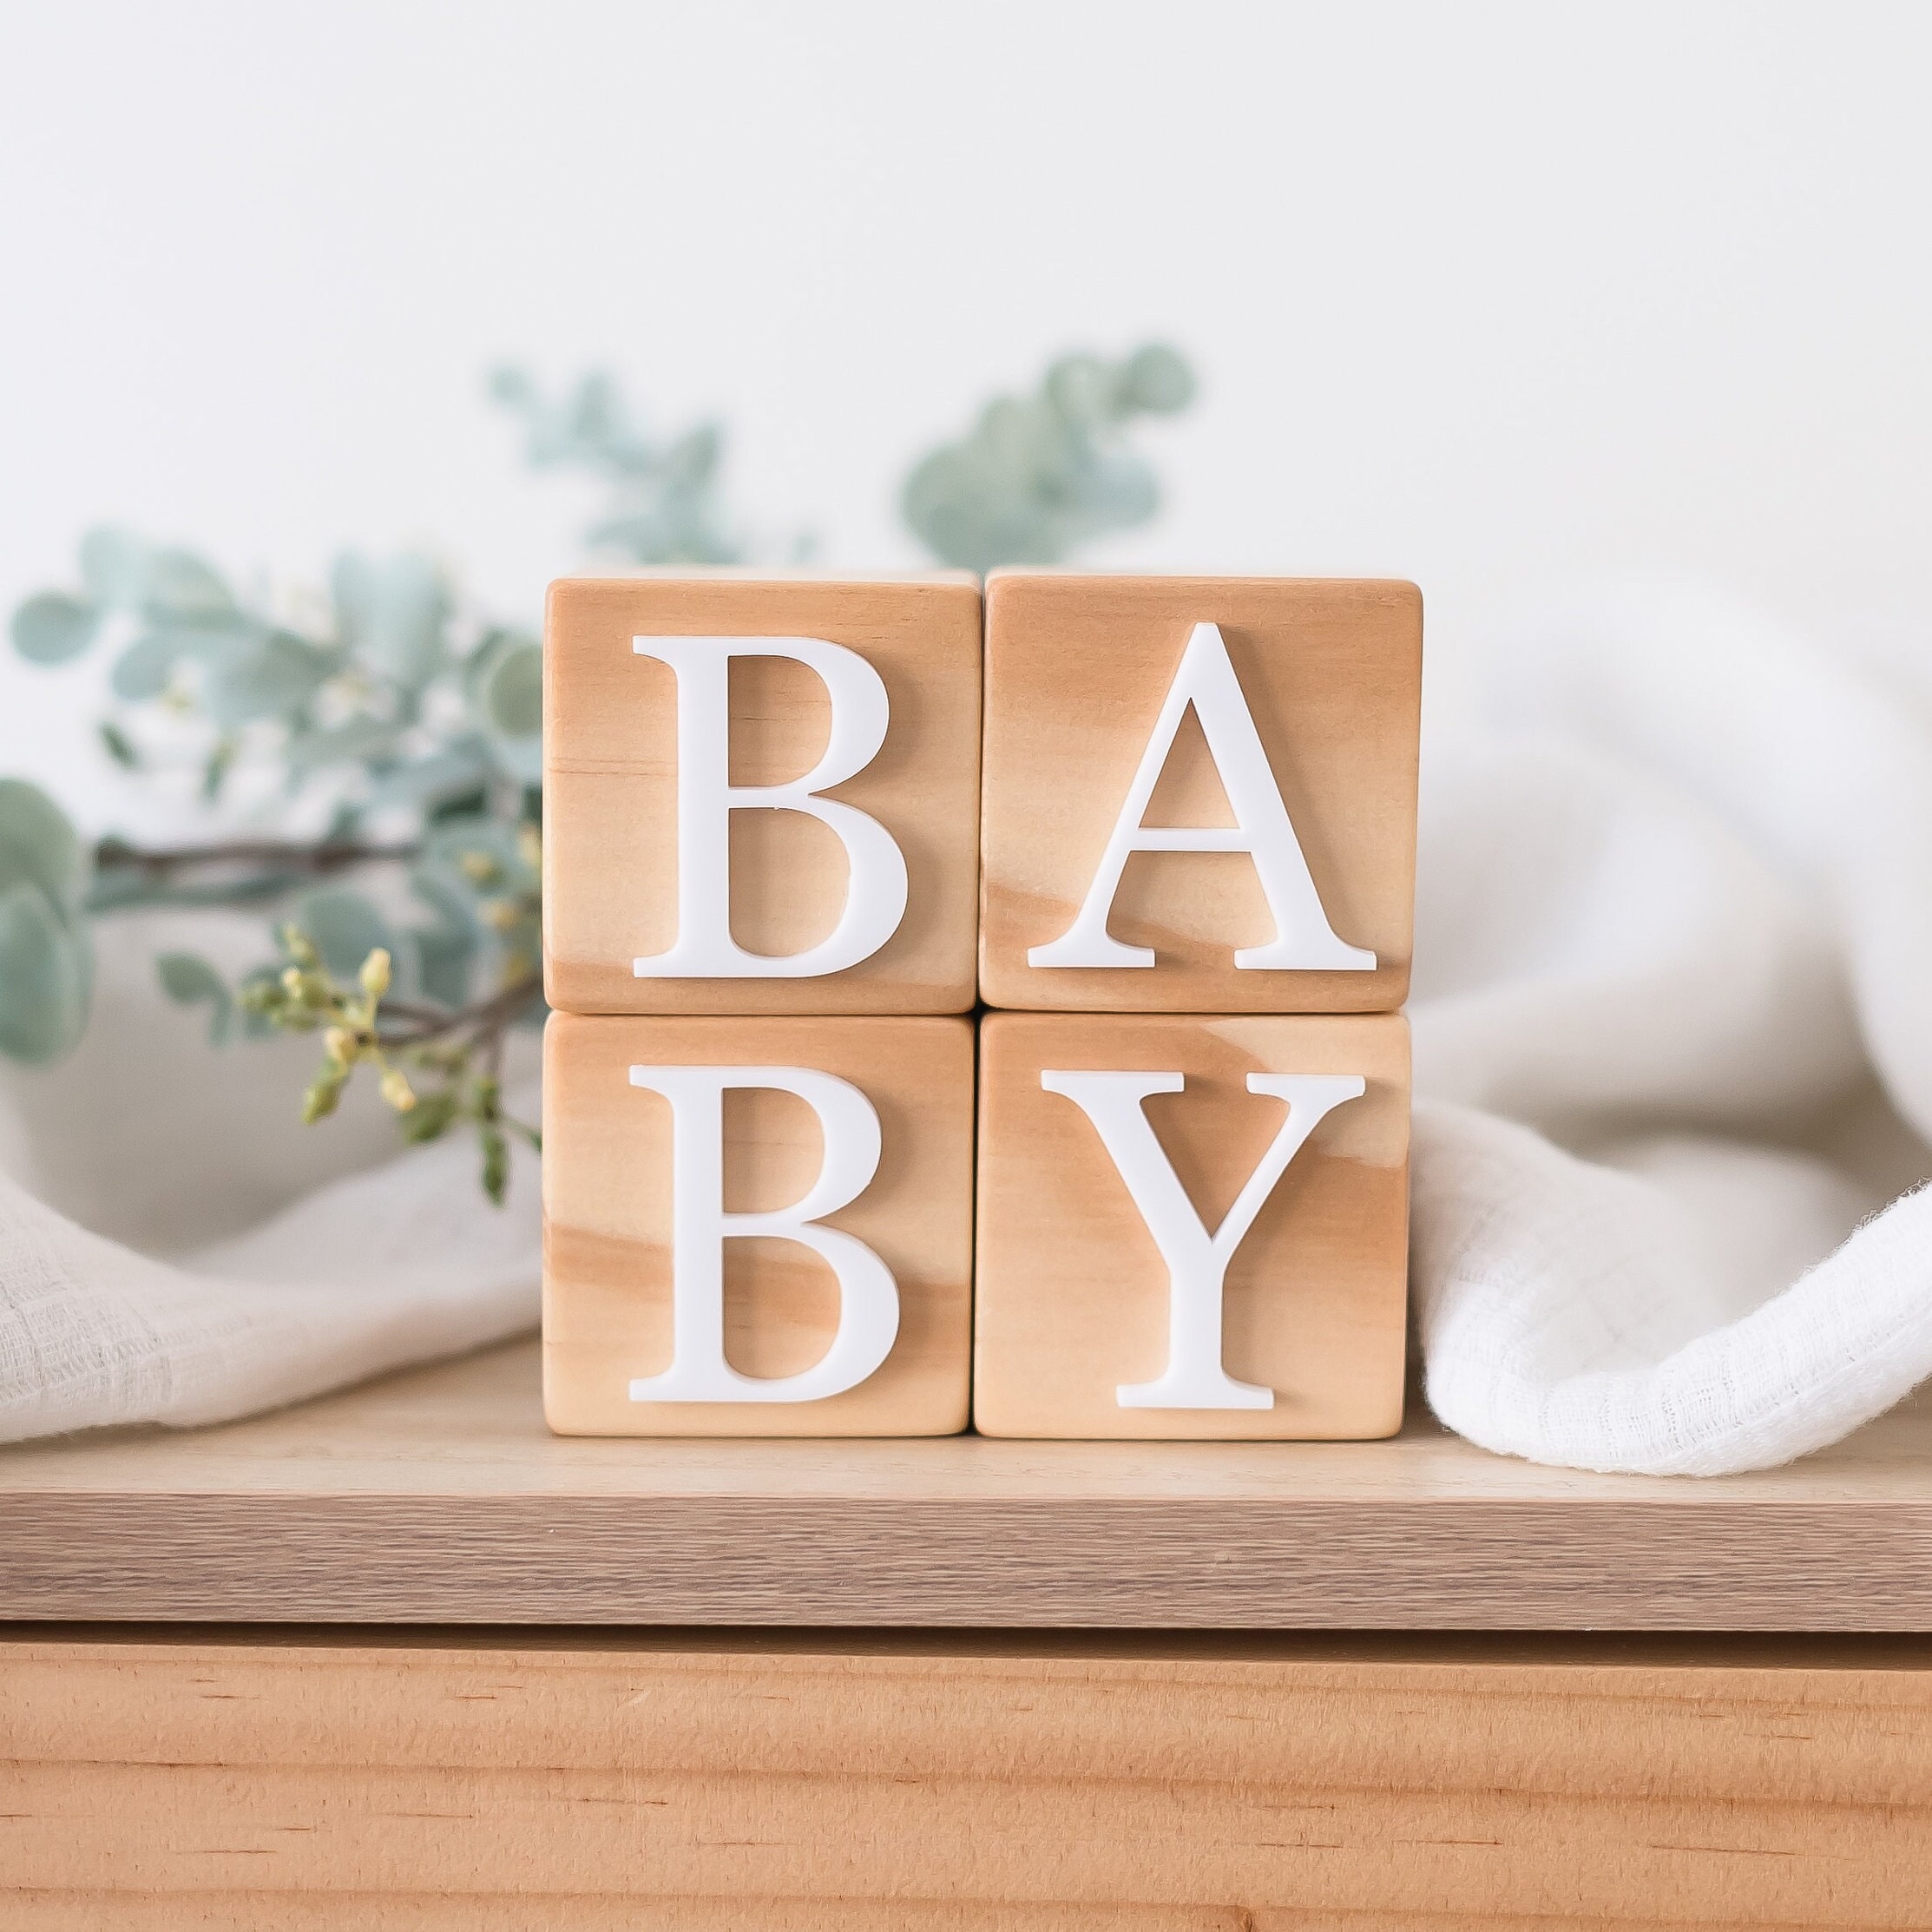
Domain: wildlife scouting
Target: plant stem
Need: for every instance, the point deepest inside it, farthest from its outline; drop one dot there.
(484, 1022)
(286, 856)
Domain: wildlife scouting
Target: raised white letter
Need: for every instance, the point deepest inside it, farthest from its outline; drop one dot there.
(868, 1296)
(1196, 1261)
(1304, 940)
(874, 892)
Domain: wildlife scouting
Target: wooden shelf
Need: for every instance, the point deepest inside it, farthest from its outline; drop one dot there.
(438, 1496)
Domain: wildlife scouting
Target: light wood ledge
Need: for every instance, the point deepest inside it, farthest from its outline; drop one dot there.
(438, 1496)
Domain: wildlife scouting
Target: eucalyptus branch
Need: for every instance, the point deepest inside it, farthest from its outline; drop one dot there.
(485, 1021)
(316, 859)
(461, 1048)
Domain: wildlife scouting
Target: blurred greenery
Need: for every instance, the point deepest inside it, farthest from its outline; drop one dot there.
(1038, 475)
(416, 722)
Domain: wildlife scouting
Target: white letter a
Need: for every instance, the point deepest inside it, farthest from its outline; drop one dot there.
(1303, 939)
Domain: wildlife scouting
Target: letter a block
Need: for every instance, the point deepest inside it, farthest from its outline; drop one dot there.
(1191, 1227)
(1199, 795)
(757, 1226)
(760, 795)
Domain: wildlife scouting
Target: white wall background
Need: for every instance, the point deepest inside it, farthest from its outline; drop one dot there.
(1483, 294)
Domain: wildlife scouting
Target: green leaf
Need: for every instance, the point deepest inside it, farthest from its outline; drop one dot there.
(40, 847)
(44, 973)
(428, 1119)
(182, 589)
(113, 566)
(393, 613)
(1158, 379)
(354, 741)
(119, 746)
(496, 1163)
(346, 927)
(144, 669)
(255, 1023)
(53, 627)
(1040, 475)
(452, 844)
(443, 959)
(503, 687)
(459, 770)
(188, 980)
(220, 762)
(270, 679)
(506, 685)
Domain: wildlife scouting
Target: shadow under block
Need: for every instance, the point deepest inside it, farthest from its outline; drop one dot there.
(1079, 670)
(612, 828)
(610, 1227)
(1073, 1297)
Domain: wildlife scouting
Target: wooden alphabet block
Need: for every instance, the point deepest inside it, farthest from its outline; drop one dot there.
(1190, 1226)
(1198, 794)
(757, 1226)
(761, 795)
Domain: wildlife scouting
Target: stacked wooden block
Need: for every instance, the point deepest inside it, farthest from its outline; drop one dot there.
(1158, 833)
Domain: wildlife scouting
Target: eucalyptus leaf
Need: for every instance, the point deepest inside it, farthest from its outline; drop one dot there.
(39, 846)
(462, 847)
(1040, 475)
(188, 980)
(266, 678)
(461, 769)
(145, 667)
(1158, 379)
(113, 566)
(443, 957)
(346, 927)
(452, 896)
(394, 614)
(505, 684)
(180, 586)
(44, 975)
(52, 626)
(355, 741)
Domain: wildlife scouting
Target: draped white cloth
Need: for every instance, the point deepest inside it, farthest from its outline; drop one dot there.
(1674, 1033)
(1674, 1038)
(174, 1245)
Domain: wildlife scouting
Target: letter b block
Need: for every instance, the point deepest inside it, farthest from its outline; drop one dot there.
(757, 1226)
(1199, 795)
(760, 795)
(1191, 1227)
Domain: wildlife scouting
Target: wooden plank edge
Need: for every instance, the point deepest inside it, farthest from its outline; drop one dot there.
(1091, 1563)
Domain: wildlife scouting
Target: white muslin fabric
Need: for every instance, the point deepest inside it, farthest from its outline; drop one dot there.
(1672, 1020)
(175, 1247)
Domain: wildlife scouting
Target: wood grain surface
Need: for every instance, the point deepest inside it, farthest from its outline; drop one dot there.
(1077, 667)
(607, 1176)
(937, 1785)
(1071, 1295)
(440, 1496)
(610, 788)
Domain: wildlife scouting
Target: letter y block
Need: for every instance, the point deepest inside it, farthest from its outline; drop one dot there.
(1191, 1227)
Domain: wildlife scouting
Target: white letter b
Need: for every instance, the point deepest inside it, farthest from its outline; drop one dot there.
(868, 1296)
(876, 888)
